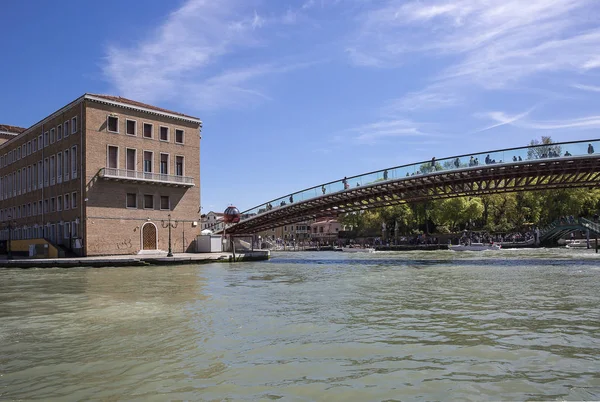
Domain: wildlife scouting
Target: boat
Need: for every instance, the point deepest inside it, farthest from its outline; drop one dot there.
(358, 250)
(576, 243)
(475, 247)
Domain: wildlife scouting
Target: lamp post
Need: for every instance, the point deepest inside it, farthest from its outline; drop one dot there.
(169, 225)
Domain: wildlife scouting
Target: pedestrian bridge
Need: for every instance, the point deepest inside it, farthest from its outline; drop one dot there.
(541, 167)
(562, 227)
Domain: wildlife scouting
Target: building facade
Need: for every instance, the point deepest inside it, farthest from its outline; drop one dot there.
(101, 176)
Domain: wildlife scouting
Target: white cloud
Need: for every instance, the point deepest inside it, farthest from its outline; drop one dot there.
(520, 121)
(591, 88)
(486, 44)
(375, 132)
(181, 60)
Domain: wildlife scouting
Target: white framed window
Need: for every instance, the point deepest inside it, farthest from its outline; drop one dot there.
(73, 200)
(34, 145)
(148, 156)
(112, 157)
(40, 143)
(59, 167)
(131, 159)
(148, 129)
(28, 148)
(164, 133)
(74, 162)
(52, 170)
(179, 166)
(112, 124)
(66, 164)
(179, 136)
(164, 163)
(148, 201)
(74, 125)
(66, 129)
(46, 139)
(52, 204)
(131, 201)
(52, 136)
(67, 200)
(165, 202)
(59, 203)
(131, 127)
(46, 172)
(59, 132)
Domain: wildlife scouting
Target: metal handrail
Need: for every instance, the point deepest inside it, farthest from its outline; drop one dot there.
(147, 176)
(503, 157)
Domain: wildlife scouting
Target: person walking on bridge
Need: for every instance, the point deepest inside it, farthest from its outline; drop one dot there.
(590, 149)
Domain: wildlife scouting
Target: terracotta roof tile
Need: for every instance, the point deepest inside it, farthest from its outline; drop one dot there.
(139, 104)
(12, 129)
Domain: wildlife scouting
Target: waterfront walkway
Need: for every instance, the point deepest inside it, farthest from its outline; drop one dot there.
(133, 260)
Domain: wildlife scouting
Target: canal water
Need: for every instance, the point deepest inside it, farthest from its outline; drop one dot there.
(511, 325)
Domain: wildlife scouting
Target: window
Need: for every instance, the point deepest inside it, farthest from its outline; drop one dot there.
(40, 175)
(148, 201)
(74, 225)
(52, 170)
(112, 124)
(28, 148)
(46, 171)
(131, 128)
(45, 206)
(59, 132)
(59, 203)
(74, 162)
(39, 207)
(147, 130)
(34, 145)
(66, 129)
(59, 166)
(40, 143)
(164, 163)
(179, 136)
(66, 164)
(113, 157)
(164, 133)
(52, 204)
(34, 209)
(73, 200)
(18, 153)
(67, 230)
(164, 202)
(74, 125)
(130, 162)
(131, 200)
(179, 165)
(52, 136)
(46, 139)
(67, 202)
(147, 161)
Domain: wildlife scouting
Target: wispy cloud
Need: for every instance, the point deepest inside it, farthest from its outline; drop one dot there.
(591, 88)
(521, 121)
(375, 132)
(183, 58)
(484, 44)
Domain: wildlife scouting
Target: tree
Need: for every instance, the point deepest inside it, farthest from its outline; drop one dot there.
(542, 149)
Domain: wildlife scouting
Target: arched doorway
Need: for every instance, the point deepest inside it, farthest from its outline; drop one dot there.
(149, 237)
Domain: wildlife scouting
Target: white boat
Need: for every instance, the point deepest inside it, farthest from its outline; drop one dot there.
(577, 243)
(475, 247)
(357, 250)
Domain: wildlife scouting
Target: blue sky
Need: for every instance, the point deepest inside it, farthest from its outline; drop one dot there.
(295, 93)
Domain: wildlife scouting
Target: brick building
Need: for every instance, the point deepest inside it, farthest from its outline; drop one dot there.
(101, 175)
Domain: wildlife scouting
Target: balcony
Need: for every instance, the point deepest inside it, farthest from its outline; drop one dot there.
(133, 176)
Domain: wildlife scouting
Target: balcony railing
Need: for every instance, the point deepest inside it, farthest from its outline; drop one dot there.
(133, 175)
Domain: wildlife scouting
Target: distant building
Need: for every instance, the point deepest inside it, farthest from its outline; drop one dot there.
(299, 231)
(212, 220)
(325, 230)
(101, 175)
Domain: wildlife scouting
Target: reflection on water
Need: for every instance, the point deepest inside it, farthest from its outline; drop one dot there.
(522, 324)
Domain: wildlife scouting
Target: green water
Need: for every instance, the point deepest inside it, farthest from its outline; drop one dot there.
(511, 325)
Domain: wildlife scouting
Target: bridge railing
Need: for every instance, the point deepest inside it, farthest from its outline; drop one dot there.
(467, 161)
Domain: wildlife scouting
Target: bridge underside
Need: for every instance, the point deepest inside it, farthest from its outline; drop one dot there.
(537, 174)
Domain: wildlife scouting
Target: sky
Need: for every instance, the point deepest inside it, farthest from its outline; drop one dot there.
(297, 93)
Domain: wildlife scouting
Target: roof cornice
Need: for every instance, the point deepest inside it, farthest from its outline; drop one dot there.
(141, 109)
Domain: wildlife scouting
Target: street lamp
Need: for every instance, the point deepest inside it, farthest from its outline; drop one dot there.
(169, 225)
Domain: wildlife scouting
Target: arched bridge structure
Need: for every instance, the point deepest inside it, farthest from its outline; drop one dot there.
(540, 167)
